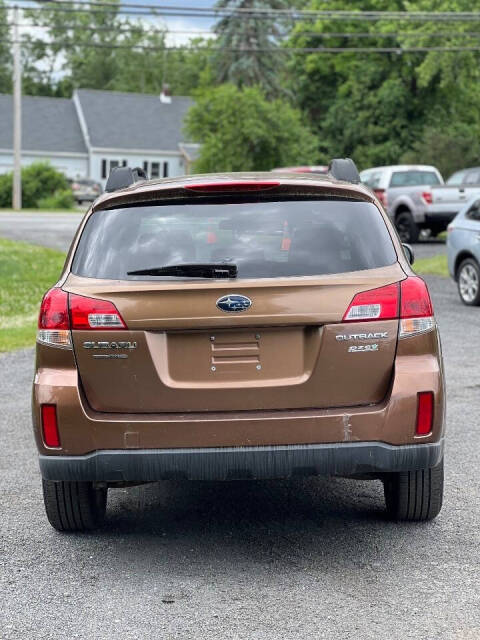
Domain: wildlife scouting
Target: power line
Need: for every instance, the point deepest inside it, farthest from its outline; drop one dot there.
(165, 31)
(295, 14)
(305, 50)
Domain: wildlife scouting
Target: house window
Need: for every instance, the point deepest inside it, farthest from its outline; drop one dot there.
(104, 168)
(165, 169)
(124, 163)
(114, 164)
(155, 173)
(145, 166)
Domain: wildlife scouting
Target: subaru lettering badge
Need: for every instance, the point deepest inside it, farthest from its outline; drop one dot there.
(234, 303)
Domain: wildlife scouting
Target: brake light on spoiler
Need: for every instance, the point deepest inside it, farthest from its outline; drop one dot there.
(408, 301)
(61, 312)
(228, 187)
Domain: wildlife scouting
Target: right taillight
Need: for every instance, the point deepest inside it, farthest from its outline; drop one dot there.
(416, 311)
(382, 196)
(53, 321)
(409, 301)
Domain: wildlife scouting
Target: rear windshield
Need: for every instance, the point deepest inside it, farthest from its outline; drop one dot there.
(413, 178)
(265, 239)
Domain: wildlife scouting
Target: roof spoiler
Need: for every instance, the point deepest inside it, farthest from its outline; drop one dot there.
(121, 177)
(344, 169)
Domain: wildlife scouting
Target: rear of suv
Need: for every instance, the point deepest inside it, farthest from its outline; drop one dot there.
(240, 326)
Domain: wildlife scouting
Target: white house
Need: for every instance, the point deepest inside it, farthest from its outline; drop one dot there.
(95, 131)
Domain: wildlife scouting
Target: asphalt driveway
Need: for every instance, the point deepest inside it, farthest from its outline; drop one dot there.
(248, 560)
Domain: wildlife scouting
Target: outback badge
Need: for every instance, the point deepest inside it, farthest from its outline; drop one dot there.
(234, 303)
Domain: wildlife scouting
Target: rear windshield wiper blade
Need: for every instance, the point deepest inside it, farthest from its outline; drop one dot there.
(194, 270)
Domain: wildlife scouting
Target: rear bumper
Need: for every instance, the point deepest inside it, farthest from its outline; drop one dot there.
(227, 463)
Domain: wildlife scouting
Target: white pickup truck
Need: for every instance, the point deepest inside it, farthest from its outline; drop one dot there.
(417, 199)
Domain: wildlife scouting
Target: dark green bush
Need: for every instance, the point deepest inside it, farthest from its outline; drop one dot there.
(39, 180)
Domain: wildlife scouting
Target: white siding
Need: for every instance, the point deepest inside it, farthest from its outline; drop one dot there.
(175, 163)
(72, 167)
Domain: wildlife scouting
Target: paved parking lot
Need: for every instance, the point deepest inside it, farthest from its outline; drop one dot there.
(248, 560)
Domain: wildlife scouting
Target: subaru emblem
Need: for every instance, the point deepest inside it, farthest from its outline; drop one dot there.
(234, 303)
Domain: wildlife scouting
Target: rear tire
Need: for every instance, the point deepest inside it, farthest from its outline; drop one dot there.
(468, 282)
(406, 227)
(414, 496)
(74, 506)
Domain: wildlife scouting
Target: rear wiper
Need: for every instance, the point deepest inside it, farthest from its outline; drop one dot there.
(193, 270)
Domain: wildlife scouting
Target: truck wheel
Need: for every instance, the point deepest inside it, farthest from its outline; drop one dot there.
(74, 506)
(406, 227)
(468, 282)
(415, 496)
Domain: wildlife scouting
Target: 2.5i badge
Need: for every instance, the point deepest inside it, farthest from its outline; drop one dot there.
(362, 347)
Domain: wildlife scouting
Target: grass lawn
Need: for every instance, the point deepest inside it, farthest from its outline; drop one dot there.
(26, 272)
(434, 266)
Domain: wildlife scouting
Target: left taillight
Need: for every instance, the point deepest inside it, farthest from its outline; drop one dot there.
(53, 321)
(91, 313)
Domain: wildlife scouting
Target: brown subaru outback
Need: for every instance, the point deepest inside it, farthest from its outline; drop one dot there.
(237, 326)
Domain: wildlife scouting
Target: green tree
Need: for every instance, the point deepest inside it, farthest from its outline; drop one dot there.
(249, 46)
(376, 107)
(242, 130)
(102, 50)
(5, 51)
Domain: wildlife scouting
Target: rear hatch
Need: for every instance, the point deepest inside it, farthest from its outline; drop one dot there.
(272, 336)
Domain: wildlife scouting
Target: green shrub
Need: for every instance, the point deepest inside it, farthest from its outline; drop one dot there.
(59, 200)
(39, 180)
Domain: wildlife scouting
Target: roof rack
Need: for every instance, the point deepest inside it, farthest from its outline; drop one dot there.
(344, 169)
(121, 177)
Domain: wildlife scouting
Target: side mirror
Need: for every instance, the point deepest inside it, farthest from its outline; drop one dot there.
(408, 251)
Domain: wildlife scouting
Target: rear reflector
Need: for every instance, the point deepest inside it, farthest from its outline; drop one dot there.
(51, 437)
(219, 187)
(424, 413)
(90, 313)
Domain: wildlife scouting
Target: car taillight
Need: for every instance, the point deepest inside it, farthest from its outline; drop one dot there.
(427, 196)
(376, 304)
(90, 313)
(382, 196)
(424, 413)
(53, 320)
(50, 433)
(408, 300)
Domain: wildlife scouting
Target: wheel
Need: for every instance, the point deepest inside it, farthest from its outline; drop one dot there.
(468, 281)
(74, 506)
(415, 496)
(406, 227)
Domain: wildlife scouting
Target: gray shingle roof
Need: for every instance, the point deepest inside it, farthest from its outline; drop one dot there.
(48, 124)
(133, 120)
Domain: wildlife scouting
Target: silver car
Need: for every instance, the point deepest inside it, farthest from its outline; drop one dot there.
(463, 249)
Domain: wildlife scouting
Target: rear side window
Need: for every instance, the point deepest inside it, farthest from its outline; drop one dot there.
(372, 179)
(265, 239)
(456, 178)
(413, 178)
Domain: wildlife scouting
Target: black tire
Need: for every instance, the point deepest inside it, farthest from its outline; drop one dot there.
(415, 496)
(468, 282)
(74, 506)
(406, 227)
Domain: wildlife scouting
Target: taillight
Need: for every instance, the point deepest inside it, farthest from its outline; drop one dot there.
(376, 304)
(416, 311)
(53, 321)
(382, 196)
(90, 313)
(424, 413)
(427, 196)
(50, 433)
(408, 300)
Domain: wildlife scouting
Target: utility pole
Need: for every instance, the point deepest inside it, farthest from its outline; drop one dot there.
(17, 115)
